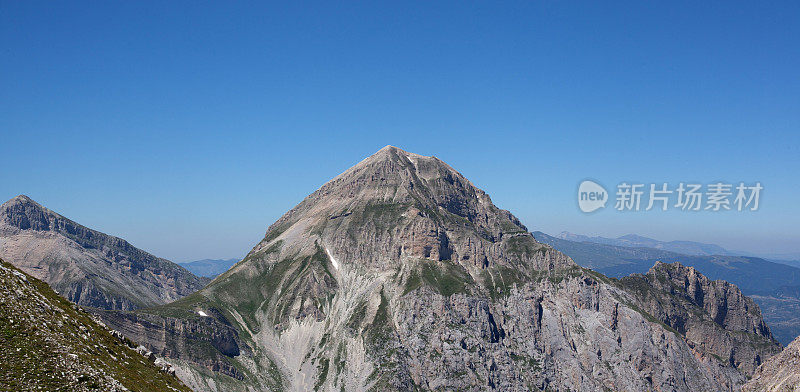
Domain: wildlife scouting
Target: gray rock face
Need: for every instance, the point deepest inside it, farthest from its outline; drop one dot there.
(780, 373)
(85, 266)
(730, 326)
(202, 340)
(773, 286)
(399, 274)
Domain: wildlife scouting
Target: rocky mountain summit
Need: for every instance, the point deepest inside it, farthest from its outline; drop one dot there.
(50, 344)
(86, 266)
(400, 274)
(780, 373)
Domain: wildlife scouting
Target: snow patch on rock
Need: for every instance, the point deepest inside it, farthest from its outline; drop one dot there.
(333, 261)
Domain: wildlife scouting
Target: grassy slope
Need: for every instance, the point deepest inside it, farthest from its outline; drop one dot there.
(48, 343)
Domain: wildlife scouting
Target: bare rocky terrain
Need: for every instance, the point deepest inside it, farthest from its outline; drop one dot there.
(775, 287)
(86, 266)
(399, 274)
(780, 373)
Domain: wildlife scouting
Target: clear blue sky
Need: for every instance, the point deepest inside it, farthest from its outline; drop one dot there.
(188, 127)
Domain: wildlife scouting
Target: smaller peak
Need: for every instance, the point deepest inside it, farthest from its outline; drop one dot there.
(658, 264)
(675, 267)
(24, 213)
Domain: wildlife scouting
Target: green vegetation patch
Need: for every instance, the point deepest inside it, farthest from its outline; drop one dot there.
(528, 362)
(446, 277)
(384, 216)
(413, 282)
(322, 373)
(522, 245)
(500, 280)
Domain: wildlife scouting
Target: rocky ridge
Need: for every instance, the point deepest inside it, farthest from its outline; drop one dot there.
(86, 266)
(713, 316)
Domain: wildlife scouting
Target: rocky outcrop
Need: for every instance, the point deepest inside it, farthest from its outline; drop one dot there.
(729, 326)
(208, 341)
(87, 267)
(780, 373)
(399, 274)
(49, 344)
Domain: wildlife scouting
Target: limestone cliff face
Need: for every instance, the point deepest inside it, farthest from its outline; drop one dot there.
(85, 266)
(780, 373)
(204, 340)
(730, 326)
(399, 274)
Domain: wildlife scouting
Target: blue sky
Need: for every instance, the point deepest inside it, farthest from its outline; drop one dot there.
(188, 127)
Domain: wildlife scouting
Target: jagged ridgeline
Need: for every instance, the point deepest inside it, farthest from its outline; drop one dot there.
(399, 274)
(49, 344)
(86, 266)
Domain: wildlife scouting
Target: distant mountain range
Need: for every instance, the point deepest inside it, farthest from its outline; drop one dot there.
(209, 268)
(683, 247)
(637, 241)
(774, 286)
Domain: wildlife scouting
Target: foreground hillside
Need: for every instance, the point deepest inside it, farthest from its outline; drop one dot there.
(49, 344)
(86, 266)
(400, 275)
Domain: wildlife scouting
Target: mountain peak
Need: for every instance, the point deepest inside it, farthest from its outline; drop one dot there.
(390, 154)
(731, 313)
(393, 194)
(675, 269)
(635, 237)
(20, 200)
(24, 213)
(389, 147)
